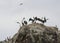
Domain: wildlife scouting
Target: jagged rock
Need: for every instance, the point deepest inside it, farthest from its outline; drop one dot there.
(36, 33)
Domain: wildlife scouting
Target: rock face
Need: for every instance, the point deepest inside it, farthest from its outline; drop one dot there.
(36, 33)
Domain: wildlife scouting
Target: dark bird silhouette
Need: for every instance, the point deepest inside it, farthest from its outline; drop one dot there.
(25, 22)
(30, 19)
(43, 21)
(21, 3)
(40, 20)
(35, 18)
(22, 23)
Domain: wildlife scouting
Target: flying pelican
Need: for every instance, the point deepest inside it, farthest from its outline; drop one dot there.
(21, 3)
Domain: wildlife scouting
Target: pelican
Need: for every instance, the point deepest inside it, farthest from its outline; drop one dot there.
(21, 3)
(30, 19)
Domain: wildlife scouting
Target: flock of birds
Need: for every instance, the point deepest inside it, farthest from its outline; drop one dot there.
(34, 19)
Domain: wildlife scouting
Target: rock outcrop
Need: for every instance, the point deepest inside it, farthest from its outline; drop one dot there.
(36, 33)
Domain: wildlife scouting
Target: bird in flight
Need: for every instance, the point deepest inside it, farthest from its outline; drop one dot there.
(21, 3)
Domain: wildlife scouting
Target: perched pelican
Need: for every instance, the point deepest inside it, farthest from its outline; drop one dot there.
(30, 19)
(25, 22)
(43, 21)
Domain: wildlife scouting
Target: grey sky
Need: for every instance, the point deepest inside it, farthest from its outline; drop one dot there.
(11, 12)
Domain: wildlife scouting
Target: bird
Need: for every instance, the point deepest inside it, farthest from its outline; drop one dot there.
(30, 19)
(21, 3)
(25, 22)
(40, 20)
(35, 18)
(45, 20)
(22, 23)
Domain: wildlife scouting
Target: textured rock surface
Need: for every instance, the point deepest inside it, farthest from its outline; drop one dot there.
(36, 33)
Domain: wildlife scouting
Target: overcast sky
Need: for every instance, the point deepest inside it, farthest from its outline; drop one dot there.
(11, 11)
